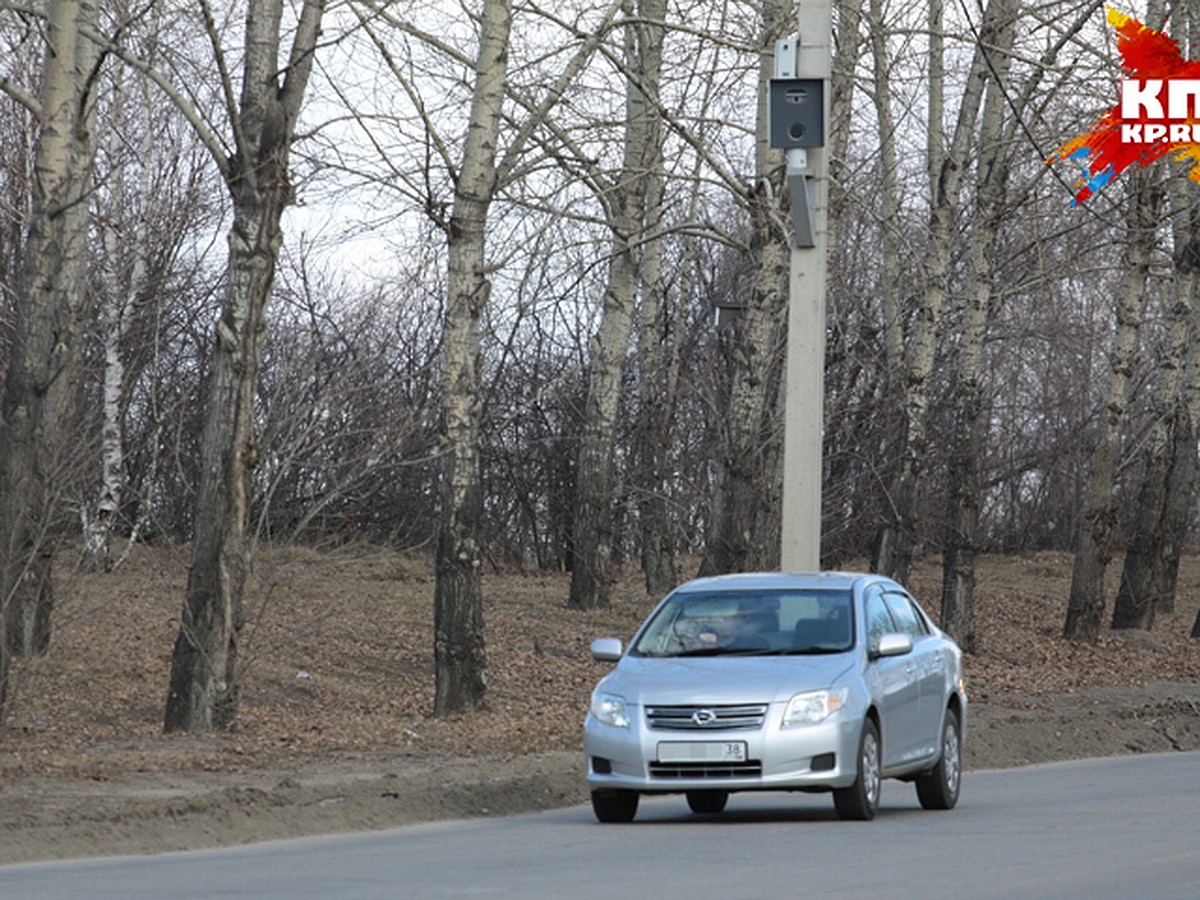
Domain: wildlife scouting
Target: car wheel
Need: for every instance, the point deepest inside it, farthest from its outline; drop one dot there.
(709, 802)
(938, 788)
(861, 800)
(615, 806)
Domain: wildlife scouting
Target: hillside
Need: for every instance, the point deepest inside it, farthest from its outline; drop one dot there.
(336, 732)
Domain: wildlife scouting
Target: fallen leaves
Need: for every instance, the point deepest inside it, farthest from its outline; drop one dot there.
(339, 661)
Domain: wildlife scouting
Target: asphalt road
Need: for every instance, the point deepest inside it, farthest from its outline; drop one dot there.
(1110, 828)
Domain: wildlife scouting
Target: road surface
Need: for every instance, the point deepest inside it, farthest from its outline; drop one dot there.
(1106, 828)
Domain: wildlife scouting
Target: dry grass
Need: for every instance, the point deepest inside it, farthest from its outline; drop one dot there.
(338, 661)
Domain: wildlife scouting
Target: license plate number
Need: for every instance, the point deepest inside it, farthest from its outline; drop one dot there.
(702, 751)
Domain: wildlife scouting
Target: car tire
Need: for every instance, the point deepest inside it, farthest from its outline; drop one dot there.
(860, 801)
(615, 806)
(939, 787)
(707, 802)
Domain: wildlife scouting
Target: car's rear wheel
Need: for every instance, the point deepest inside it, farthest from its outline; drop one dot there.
(615, 806)
(707, 802)
(861, 800)
(939, 787)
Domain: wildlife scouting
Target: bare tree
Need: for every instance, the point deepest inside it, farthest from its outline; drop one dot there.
(1094, 549)
(123, 227)
(889, 284)
(658, 380)
(1156, 535)
(477, 174)
(41, 380)
(348, 400)
(460, 660)
(1147, 583)
(628, 210)
(657, 360)
(962, 525)
(745, 526)
(1005, 105)
(947, 163)
(203, 691)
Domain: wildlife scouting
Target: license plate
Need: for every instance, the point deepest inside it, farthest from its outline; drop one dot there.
(702, 751)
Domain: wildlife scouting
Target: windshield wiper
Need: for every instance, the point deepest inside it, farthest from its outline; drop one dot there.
(812, 651)
(727, 651)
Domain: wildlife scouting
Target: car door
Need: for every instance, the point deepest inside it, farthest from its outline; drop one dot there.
(927, 669)
(894, 686)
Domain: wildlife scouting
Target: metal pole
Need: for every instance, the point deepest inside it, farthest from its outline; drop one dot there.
(804, 401)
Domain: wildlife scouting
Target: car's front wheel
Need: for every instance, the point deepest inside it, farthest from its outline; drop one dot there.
(708, 802)
(615, 806)
(861, 800)
(939, 787)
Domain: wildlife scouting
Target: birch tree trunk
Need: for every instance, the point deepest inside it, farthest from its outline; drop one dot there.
(848, 41)
(1085, 608)
(203, 692)
(888, 281)
(1181, 481)
(657, 360)
(743, 496)
(962, 514)
(39, 390)
(125, 223)
(1181, 474)
(1152, 551)
(591, 570)
(460, 660)
(896, 541)
(99, 517)
(1147, 583)
(1185, 433)
(117, 308)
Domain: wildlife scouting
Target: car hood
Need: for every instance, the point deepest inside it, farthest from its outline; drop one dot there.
(722, 679)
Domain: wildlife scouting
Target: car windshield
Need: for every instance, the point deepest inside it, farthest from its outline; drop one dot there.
(750, 622)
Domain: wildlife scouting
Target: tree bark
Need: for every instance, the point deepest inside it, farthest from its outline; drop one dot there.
(460, 660)
(1182, 479)
(658, 362)
(117, 307)
(40, 388)
(892, 405)
(741, 536)
(1147, 583)
(203, 692)
(591, 570)
(1148, 555)
(961, 546)
(1085, 608)
(896, 541)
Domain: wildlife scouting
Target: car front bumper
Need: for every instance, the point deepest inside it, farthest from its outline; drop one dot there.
(817, 756)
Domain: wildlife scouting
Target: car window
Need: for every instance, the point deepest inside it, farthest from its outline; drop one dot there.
(879, 618)
(908, 620)
(749, 620)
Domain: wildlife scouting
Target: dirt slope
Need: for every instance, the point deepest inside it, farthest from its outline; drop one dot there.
(335, 728)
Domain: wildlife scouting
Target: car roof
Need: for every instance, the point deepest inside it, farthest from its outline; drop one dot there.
(780, 580)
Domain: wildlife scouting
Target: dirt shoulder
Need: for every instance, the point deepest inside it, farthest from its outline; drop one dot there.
(336, 735)
(60, 817)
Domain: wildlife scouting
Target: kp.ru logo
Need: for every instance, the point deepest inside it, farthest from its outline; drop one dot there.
(1158, 111)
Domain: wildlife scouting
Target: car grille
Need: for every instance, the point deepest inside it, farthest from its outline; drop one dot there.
(751, 768)
(710, 718)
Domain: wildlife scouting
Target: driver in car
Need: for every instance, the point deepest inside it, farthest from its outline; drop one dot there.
(743, 630)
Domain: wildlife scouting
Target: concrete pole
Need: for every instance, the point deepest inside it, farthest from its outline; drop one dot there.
(804, 401)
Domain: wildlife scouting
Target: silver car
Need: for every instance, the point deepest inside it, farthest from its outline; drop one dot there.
(769, 681)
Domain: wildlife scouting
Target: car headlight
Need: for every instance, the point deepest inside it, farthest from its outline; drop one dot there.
(811, 707)
(610, 709)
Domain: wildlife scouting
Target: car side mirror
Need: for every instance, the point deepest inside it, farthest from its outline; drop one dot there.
(894, 644)
(609, 649)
